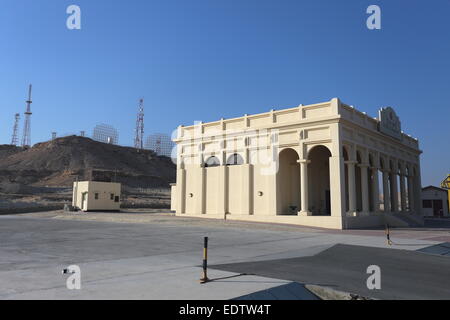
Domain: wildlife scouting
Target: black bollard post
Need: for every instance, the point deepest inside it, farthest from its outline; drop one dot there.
(388, 236)
(205, 279)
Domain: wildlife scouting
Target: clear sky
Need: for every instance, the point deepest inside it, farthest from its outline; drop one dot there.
(208, 59)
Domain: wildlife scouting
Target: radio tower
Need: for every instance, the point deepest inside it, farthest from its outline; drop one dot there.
(139, 137)
(158, 146)
(15, 136)
(26, 139)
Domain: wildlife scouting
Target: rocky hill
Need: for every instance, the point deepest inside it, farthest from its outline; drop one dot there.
(59, 162)
(7, 150)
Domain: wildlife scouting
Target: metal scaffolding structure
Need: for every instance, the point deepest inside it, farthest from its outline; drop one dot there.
(26, 139)
(106, 134)
(160, 143)
(15, 134)
(139, 130)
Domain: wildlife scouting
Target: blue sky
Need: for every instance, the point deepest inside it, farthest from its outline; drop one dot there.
(208, 59)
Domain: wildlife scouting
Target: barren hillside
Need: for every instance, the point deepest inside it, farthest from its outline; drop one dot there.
(61, 161)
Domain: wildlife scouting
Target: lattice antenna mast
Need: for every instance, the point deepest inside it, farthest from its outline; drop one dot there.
(158, 145)
(26, 139)
(139, 136)
(15, 134)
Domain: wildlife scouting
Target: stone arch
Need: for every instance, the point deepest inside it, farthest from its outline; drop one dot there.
(319, 180)
(288, 182)
(235, 159)
(319, 146)
(212, 161)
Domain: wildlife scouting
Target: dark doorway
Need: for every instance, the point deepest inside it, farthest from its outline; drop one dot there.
(319, 180)
(438, 208)
(328, 202)
(288, 182)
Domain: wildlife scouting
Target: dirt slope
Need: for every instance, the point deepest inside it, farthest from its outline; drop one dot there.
(59, 162)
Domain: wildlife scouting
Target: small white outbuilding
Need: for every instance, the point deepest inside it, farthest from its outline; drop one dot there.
(96, 196)
(434, 202)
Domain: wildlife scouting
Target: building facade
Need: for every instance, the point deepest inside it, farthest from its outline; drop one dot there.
(96, 196)
(434, 202)
(325, 165)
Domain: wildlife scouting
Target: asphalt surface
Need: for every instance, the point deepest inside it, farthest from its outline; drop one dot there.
(290, 291)
(404, 274)
(442, 249)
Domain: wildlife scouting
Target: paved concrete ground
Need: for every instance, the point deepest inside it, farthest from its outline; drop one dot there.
(159, 257)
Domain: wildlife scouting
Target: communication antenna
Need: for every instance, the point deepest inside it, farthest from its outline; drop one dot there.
(26, 139)
(139, 130)
(15, 134)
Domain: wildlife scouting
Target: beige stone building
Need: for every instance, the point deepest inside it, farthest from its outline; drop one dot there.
(324, 165)
(96, 196)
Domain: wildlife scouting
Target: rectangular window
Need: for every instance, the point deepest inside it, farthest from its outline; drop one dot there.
(112, 196)
(96, 196)
(116, 199)
(427, 204)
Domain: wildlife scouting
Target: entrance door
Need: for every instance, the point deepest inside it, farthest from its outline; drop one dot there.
(84, 201)
(438, 208)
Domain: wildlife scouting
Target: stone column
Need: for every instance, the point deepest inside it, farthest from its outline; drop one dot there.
(419, 189)
(375, 189)
(417, 183)
(402, 193)
(394, 192)
(223, 187)
(364, 188)
(247, 189)
(304, 211)
(351, 188)
(271, 178)
(386, 193)
(337, 186)
(200, 201)
(247, 183)
(411, 193)
(181, 191)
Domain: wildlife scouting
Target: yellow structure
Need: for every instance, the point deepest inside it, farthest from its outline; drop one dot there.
(446, 185)
(96, 196)
(319, 165)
